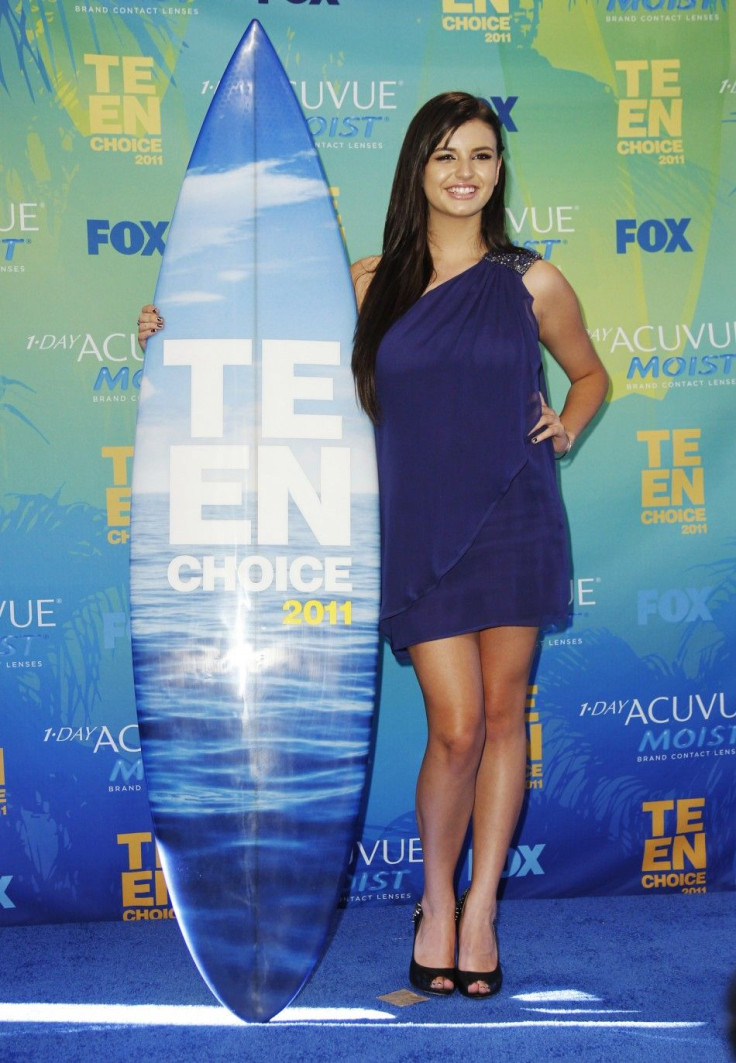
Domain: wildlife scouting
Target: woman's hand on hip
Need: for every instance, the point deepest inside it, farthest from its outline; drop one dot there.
(549, 426)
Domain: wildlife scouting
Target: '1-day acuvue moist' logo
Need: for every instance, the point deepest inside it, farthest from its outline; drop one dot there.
(688, 354)
(25, 626)
(346, 114)
(668, 11)
(666, 726)
(18, 223)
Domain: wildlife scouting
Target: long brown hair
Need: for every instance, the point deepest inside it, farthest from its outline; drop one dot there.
(405, 268)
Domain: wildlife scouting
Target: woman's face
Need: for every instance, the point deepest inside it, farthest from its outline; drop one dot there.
(462, 171)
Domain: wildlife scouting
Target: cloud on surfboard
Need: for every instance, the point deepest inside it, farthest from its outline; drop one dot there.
(220, 206)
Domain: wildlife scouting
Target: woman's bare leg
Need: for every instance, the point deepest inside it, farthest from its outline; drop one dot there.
(506, 655)
(449, 674)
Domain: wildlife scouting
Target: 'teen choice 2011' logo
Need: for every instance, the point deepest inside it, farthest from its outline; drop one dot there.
(125, 107)
(673, 482)
(117, 495)
(489, 17)
(207, 475)
(144, 891)
(534, 761)
(675, 854)
(3, 793)
(650, 109)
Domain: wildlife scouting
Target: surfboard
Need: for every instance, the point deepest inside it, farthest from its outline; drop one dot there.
(254, 549)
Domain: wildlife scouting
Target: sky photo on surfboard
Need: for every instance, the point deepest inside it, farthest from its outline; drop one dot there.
(253, 251)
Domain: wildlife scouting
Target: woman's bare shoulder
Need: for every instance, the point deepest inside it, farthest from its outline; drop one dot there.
(542, 278)
(364, 265)
(362, 273)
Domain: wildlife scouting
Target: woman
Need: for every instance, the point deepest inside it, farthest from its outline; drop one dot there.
(474, 556)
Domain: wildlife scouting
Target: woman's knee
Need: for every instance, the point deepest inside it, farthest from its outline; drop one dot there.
(458, 740)
(507, 655)
(504, 707)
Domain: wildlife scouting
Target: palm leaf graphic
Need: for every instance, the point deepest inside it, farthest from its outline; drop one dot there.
(587, 780)
(51, 825)
(42, 58)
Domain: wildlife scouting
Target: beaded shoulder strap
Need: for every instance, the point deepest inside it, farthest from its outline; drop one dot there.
(519, 261)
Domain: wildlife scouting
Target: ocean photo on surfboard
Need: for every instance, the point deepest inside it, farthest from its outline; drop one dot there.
(254, 549)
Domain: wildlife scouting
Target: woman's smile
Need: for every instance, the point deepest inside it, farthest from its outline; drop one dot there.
(462, 191)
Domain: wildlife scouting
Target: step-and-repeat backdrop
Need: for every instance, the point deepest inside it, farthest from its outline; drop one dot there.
(620, 120)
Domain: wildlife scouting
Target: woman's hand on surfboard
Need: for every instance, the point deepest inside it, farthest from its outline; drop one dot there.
(149, 322)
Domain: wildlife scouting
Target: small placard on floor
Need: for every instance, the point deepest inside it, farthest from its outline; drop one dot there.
(402, 998)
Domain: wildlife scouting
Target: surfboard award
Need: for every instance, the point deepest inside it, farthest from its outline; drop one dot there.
(254, 549)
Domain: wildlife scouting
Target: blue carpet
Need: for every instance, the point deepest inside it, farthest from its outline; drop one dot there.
(600, 979)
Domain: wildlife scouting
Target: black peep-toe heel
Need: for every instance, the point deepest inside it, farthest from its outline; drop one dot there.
(422, 977)
(464, 979)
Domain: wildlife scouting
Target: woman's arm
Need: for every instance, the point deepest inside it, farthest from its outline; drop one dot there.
(563, 333)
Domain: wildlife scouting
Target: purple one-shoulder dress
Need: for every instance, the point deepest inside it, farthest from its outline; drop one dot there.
(473, 530)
